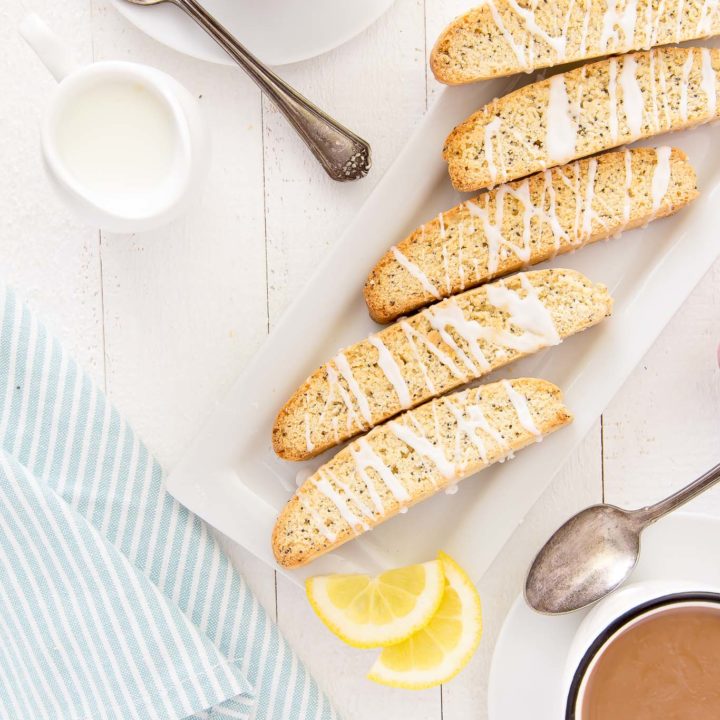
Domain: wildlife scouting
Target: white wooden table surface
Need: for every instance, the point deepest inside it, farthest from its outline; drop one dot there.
(167, 320)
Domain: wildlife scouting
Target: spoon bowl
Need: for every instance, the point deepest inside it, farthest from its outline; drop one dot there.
(590, 555)
(595, 551)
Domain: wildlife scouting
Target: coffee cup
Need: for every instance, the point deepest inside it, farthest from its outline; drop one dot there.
(615, 620)
(124, 144)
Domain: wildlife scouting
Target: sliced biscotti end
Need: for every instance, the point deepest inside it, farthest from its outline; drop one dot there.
(404, 461)
(436, 351)
(503, 37)
(462, 54)
(584, 111)
(526, 222)
(682, 186)
(291, 432)
(387, 293)
(574, 301)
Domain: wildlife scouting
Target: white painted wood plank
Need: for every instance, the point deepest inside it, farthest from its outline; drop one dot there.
(185, 306)
(577, 485)
(439, 13)
(47, 256)
(661, 431)
(342, 670)
(376, 85)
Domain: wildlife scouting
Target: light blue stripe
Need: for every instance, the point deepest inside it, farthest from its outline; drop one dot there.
(166, 543)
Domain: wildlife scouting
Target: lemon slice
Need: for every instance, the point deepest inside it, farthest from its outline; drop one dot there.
(367, 611)
(441, 649)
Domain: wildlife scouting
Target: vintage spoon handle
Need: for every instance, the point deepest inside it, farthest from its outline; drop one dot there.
(651, 513)
(343, 154)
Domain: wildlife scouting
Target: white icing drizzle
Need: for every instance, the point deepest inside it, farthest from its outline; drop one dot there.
(708, 81)
(661, 177)
(424, 447)
(365, 457)
(709, 8)
(347, 490)
(679, 20)
(589, 195)
(663, 86)
(558, 44)
(316, 519)
(343, 366)
(609, 19)
(687, 68)
(527, 313)
(493, 232)
(446, 259)
(387, 363)
(353, 419)
(627, 22)
(655, 116)
(585, 28)
(451, 489)
(497, 243)
(517, 48)
(349, 498)
(449, 314)
(561, 130)
(557, 229)
(632, 95)
(461, 269)
(521, 408)
(612, 90)
(468, 426)
(491, 130)
(308, 428)
(412, 336)
(325, 488)
(628, 186)
(416, 272)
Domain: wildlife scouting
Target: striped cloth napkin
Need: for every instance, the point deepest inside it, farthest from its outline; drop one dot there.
(115, 601)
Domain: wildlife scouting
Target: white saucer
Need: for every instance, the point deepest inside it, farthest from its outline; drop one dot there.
(277, 31)
(529, 659)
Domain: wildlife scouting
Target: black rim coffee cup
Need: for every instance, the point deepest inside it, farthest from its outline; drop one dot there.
(612, 630)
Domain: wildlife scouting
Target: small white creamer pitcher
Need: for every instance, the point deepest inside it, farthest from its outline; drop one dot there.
(124, 144)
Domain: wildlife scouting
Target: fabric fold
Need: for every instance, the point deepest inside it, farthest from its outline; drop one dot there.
(91, 636)
(57, 425)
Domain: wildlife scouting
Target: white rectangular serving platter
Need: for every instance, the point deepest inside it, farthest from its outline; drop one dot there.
(230, 476)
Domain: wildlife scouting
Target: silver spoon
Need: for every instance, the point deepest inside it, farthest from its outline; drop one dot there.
(343, 154)
(595, 551)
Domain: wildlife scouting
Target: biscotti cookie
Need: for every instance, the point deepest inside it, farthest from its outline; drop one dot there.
(525, 222)
(584, 111)
(448, 344)
(502, 37)
(411, 458)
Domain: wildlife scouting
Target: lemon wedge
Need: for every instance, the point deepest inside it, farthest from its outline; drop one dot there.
(443, 647)
(367, 611)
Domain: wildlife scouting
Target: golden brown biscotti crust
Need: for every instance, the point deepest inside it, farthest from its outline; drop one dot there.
(504, 37)
(582, 112)
(433, 352)
(338, 502)
(524, 223)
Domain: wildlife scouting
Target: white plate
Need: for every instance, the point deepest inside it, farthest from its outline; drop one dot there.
(526, 676)
(277, 31)
(230, 476)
